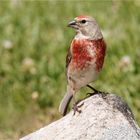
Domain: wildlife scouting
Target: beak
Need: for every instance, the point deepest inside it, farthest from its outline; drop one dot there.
(72, 24)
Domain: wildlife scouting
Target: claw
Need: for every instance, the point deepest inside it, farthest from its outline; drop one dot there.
(76, 107)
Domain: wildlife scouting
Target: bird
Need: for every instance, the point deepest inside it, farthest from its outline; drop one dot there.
(84, 59)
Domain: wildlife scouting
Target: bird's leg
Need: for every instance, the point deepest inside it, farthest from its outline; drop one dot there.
(92, 88)
(76, 107)
(95, 91)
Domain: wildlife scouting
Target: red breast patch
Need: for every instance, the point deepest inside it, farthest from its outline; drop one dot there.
(81, 55)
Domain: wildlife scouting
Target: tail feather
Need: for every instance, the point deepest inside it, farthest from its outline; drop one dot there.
(64, 103)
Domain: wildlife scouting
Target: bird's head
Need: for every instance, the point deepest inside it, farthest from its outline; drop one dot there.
(87, 26)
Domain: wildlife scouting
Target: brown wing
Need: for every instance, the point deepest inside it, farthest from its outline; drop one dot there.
(68, 58)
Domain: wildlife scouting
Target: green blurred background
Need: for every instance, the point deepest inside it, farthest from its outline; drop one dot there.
(34, 39)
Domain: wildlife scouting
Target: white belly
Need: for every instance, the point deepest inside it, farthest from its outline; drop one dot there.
(86, 78)
(81, 78)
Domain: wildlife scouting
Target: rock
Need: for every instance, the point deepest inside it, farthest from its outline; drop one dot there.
(104, 116)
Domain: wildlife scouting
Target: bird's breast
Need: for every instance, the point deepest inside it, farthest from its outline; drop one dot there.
(88, 52)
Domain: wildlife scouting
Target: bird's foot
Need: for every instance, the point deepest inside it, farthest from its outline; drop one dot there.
(92, 93)
(76, 107)
(95, 91)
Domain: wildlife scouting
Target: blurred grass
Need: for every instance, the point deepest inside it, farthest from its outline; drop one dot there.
(33, 45)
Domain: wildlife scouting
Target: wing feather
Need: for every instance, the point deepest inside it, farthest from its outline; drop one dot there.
(68, 58)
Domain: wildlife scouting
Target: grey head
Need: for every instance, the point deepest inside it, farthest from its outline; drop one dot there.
(86, 27)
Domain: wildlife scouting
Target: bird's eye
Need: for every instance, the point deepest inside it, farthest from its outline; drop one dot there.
(83, 21)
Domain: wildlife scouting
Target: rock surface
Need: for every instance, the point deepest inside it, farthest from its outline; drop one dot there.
(104, 117)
